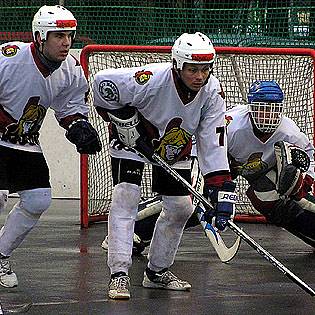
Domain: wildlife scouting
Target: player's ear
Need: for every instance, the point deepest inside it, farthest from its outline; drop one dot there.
(38, 38)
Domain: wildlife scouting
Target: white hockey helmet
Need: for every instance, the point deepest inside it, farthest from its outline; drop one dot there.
(192, 48)
(53, 18)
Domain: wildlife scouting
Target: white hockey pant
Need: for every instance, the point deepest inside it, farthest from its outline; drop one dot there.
(168, 231)
(23, 217)
(121, 221)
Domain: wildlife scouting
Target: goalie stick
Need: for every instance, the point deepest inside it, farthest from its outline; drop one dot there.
(252, 243)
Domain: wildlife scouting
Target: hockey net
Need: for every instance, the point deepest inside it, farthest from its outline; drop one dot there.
(236, 68)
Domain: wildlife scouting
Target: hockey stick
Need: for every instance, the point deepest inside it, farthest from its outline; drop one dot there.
(236, 229)
(151, 209)
(225, 254)
(155, 206)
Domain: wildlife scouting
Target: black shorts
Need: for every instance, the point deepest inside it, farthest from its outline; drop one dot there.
(22, 170)
(131, 171)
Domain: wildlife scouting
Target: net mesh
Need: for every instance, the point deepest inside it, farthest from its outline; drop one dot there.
(158, 22)
(295, 75)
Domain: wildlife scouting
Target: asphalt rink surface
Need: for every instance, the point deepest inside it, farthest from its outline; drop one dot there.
(62, 270)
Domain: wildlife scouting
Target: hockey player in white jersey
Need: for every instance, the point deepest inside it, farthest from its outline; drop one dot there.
(269, 150)
(158, 107)
(33, 77)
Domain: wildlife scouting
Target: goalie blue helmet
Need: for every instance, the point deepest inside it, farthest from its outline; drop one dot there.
(265, 105)
(265, 91)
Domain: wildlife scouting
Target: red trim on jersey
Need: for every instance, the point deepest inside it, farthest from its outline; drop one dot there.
(217, 180)
(44, 71)
(77, 63)
(5, 119)
(304, 186)
(103, 113)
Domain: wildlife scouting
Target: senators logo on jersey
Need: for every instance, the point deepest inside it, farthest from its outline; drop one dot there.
(26, 130)
(142, 77)
(228, 120)
(175, 144)
(10, 50)
(254, 165)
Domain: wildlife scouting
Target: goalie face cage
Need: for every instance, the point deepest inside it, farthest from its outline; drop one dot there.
(236, 68)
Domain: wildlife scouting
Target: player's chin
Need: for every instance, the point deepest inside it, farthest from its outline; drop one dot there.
(62, 56)
(196, 87)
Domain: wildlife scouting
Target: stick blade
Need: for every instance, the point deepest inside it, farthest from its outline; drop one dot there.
(225, 253)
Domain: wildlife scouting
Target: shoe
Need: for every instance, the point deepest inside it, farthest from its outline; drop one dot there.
(119, 286)
(164, 279)
(139, 245)
(8, 278)
(104, 244)
(137, 248)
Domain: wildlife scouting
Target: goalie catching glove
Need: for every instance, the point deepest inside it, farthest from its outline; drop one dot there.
(223, 199)
(84, 136)
(292, 162)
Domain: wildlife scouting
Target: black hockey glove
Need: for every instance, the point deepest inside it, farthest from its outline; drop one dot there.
(223, 199)
(84, 136)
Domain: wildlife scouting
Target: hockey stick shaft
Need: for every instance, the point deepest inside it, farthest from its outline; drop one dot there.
(252, 243)
(264, 253)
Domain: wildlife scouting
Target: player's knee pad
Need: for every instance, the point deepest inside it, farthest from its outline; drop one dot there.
(3, 199)
(125, 199)
(177, 208)
(35, 201)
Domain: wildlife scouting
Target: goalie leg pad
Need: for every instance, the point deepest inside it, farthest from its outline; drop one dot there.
(144, 228)
(304, 226)
(276, 210)
(307, 203)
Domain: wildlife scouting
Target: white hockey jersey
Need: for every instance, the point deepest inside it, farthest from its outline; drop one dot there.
(254, 155)
(26, 92)
(151, 89)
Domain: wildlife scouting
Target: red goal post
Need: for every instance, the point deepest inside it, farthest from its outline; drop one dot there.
(236, 68)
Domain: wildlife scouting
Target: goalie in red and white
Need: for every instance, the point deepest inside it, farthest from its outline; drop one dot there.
(275, 157)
